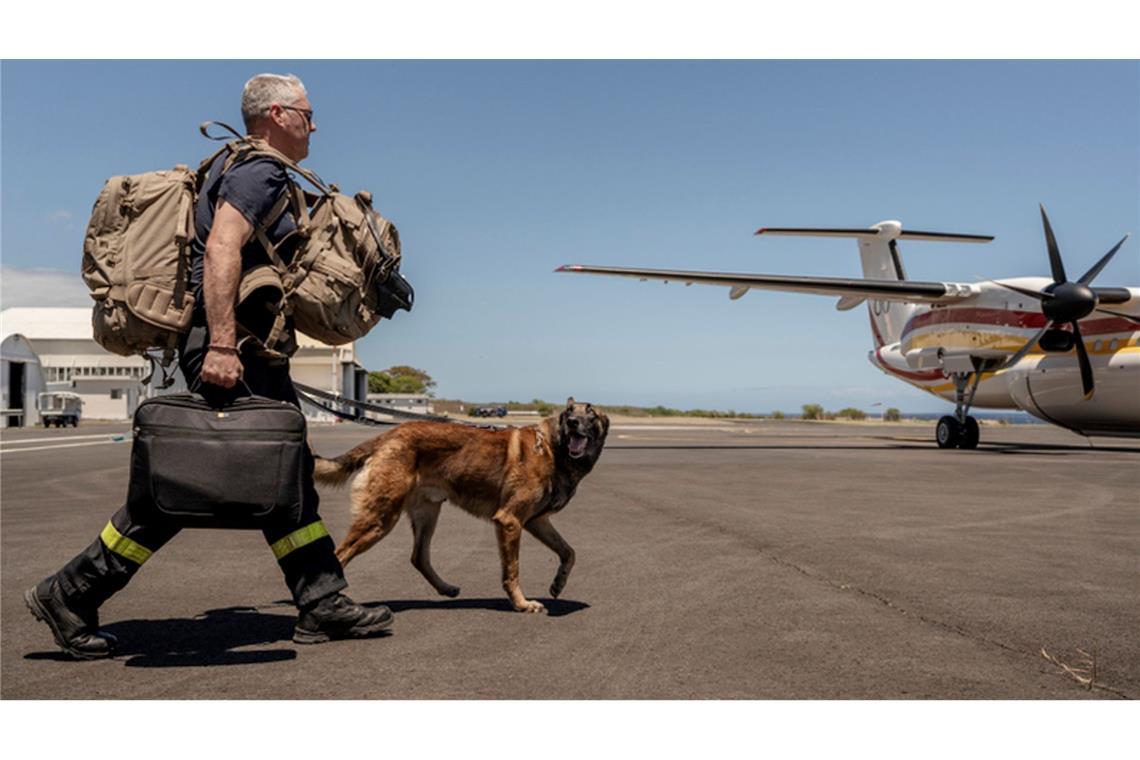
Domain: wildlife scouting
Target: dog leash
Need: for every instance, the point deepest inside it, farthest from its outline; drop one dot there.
(317, 397)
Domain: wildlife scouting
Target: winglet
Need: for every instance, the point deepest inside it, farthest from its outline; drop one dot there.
(569, 268)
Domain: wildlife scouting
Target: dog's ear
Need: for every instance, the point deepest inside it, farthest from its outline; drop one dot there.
(604, 419)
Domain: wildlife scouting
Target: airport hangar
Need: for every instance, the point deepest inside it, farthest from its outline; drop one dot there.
(52, 349)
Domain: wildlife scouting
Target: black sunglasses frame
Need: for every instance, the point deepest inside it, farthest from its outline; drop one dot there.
(307, 113)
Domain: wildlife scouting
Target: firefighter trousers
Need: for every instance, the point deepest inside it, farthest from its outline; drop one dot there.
(301, 545)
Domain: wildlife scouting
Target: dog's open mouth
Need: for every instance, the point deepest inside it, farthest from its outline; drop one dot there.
(577, 445)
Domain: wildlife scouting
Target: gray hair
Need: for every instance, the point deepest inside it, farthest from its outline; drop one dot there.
(264, 90)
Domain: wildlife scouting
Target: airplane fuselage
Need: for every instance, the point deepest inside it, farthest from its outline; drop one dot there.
(1065, 350)
(997, 321)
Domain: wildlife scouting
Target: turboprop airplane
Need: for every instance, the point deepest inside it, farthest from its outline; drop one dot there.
(1047, 346)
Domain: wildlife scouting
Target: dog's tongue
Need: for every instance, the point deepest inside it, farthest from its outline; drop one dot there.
(577, 444)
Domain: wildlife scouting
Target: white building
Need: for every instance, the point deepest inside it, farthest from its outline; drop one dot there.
(329, 368)
(46, 349)
(20, 378)
(70, 360)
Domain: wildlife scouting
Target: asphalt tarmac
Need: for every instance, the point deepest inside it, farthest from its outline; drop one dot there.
(757, 560)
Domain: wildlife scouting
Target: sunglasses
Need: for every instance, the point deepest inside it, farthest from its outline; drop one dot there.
(306, 112)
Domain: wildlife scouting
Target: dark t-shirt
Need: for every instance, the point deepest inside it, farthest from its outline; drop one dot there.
(252, 187)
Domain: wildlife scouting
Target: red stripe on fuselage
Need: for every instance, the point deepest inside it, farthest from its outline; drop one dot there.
(879, 342)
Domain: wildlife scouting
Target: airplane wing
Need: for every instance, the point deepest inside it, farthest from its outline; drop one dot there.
(851, 290)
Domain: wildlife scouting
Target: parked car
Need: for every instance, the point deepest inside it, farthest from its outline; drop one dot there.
(489, 411)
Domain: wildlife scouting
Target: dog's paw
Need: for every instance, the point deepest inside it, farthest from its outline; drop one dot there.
(531, 606)
(449, 590)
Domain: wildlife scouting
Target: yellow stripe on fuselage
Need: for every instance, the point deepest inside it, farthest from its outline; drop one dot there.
(992, 341)
(947, 387)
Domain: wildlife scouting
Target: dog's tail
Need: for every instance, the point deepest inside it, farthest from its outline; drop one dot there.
(337, 471)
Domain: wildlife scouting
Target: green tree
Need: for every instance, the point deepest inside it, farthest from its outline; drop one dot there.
(852, 413)
(400, 379)
(892, 415)
(812, 412)
(777, 415)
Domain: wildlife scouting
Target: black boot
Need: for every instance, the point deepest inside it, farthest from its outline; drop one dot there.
(77, 632)
(338, 617)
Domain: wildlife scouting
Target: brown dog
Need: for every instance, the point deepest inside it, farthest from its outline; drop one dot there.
(517, 478)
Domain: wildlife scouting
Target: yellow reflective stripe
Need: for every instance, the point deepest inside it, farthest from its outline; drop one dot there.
(298, 538)
(123, 546)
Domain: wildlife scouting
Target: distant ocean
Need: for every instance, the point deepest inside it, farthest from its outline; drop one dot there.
(1014, 418)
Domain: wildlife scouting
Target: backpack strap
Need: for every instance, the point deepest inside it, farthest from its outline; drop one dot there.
(246, 146)
(261, 232)
(204, 128)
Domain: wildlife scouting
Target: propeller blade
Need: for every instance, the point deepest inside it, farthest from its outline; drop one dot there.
(1112, 295)
(1131, 317)
(1024, 291)
(1083, 359)
(1026, 348)
(1054, 252)
(1089, 275)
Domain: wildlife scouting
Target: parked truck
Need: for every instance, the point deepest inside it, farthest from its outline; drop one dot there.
(59, 408)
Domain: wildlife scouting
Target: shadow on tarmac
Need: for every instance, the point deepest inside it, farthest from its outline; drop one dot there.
(206, 640)
(554, 607)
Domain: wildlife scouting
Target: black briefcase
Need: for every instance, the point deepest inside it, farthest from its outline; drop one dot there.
(207, 466)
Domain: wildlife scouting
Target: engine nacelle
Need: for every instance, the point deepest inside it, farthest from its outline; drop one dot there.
(1050, 389)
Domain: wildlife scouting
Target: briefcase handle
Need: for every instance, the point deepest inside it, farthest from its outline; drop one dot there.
(198, 384)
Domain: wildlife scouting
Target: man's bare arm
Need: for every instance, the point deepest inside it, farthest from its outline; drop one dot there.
(220, 278)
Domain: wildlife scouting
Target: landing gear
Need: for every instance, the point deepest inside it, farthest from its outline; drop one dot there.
(960, 431)
(947, 433)
(969, 434)
(952, 434)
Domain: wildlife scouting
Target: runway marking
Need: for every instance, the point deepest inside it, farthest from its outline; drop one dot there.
(116, 439)
(63, 438)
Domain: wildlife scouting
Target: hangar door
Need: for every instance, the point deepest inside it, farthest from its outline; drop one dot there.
(15, 393)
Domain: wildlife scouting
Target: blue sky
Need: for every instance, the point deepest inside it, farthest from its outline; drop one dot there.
(498, 172)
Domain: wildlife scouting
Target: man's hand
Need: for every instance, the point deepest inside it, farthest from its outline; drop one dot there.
(221, 368)
(221, 274)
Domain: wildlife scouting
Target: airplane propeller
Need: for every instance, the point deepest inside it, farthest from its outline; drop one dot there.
(1065, 302)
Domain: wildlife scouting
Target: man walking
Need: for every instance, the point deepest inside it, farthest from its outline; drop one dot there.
(237, 212)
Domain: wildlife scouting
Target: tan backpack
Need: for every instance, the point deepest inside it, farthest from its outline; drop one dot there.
(136, 261)
(344, 276)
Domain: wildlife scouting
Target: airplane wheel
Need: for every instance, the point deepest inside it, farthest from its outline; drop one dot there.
(969, 434)
(947, 433)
